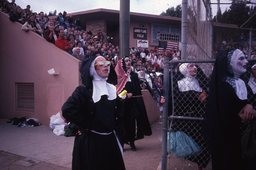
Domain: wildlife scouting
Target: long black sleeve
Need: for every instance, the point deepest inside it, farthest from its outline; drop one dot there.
(77, 108)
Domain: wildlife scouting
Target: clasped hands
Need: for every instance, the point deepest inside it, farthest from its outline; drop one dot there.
(247, 113)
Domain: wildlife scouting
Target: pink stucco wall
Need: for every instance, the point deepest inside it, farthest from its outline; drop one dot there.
(26, 57)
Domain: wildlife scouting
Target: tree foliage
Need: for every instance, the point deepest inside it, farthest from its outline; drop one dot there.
(174, 12)
(238, 14)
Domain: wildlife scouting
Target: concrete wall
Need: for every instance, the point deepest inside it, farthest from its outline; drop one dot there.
(96, 26)
(26, 57)
(151, 107)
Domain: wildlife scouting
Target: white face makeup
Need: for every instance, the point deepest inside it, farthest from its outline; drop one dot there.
(188, 69)
(192, 70)
(102, 67)
(238, 62)
(128, 62)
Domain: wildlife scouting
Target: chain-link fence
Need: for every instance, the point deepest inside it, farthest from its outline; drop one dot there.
(186, 82)
(186, 87)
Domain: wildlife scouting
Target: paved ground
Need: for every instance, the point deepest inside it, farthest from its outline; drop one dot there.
(27, 148)
(37, 148)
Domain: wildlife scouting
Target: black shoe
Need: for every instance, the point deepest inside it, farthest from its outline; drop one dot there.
(133, 147)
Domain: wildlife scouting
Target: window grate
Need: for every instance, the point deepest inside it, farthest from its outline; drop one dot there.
(25, 99)
(169, 37)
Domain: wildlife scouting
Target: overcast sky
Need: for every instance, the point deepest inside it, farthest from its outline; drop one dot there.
(141, 6)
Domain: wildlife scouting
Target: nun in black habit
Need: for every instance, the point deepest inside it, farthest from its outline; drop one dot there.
(92, 107)
(190, 95)
(226, 108)
(250, 80)
(134, 116)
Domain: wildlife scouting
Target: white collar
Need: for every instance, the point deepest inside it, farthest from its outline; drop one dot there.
(101, 88)
(239, 86)
(189, 83)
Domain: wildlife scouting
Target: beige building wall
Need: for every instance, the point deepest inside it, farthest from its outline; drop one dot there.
(25, 57)
(96, 26)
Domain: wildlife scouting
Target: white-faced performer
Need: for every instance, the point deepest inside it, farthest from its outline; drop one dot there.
(227, 108)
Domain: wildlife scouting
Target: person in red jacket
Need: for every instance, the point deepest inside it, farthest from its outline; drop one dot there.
(62, 41)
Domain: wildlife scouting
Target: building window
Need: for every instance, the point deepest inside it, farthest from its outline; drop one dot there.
(168, 37)
(25, 99)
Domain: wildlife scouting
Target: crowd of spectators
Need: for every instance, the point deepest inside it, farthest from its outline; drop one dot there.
(61, 30)
(67, 34)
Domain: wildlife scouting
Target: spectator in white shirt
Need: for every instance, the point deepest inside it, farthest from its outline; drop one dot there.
(78, 50)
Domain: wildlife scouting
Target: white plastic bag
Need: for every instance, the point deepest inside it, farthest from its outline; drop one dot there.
(56, 120)
(59, 130)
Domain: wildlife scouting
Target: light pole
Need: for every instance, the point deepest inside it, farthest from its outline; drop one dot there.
(184, 29)
(124, 27)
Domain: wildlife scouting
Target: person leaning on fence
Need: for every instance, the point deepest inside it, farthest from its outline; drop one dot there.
(190, 97)
(92, 108)
(226, 108)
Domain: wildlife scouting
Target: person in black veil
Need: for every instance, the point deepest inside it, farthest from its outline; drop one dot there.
(92, 108)
(133, 112)
(226, 108)
(250, 80)
(190, 95)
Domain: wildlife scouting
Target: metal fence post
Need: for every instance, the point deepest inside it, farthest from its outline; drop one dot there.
(165, 114)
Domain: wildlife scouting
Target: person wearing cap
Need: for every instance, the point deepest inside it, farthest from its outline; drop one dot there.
(227, 107)
(92, 107)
